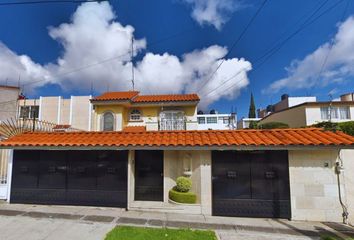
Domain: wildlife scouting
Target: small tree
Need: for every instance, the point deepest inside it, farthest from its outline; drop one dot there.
(252, 109)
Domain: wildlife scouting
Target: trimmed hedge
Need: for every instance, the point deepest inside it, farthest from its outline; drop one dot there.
(183, 184)
(182, 197)
(272, 125)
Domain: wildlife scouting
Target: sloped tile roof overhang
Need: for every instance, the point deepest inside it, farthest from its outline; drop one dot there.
(134, 98)
(210, 139)
(116, 96)
(166, 98)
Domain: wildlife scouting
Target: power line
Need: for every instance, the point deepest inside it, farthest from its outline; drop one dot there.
(276, 48)
(329, 50)
(235, 43)
(308, 21)
(48, 1)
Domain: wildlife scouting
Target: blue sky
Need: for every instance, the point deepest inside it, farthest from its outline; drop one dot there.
(179, 45)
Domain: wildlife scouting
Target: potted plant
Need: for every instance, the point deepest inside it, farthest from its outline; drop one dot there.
(181, 192)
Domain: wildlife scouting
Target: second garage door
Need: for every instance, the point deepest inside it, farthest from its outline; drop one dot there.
(93, 178)
(251, 184)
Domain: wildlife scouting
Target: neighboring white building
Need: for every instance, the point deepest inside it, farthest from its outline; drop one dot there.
(216, 121)
(285, 102)
(245, 122)
(309, 113)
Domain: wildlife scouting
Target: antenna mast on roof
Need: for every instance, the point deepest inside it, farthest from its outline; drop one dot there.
(132, 55)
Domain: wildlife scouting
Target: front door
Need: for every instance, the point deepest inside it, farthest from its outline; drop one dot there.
(251, 184)
(149, 175)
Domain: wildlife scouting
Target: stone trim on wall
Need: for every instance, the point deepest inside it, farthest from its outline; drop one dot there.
(313, 186)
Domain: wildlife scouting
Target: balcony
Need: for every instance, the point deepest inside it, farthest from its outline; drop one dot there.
(172, 124)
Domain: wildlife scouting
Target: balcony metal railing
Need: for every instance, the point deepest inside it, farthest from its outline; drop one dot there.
(172, 124)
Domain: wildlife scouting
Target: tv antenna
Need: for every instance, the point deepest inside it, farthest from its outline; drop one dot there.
(131, 57)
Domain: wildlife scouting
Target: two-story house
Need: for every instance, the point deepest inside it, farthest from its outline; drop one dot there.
(114, 111)
(311, 112)
(140, 144)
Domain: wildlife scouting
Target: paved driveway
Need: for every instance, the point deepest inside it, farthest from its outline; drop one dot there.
(27, 228)
(37, 222)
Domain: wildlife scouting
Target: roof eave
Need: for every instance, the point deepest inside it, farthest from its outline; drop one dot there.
(166, 103)
(192, 148)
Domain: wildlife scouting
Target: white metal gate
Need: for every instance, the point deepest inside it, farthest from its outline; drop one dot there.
(3, 173)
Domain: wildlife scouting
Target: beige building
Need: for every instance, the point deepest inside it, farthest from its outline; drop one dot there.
(285, 102)
(8, 108)
(74, 112)
(8, 102)
(309, 113)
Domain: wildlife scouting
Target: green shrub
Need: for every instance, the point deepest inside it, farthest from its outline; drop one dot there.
(252, 125)
(183, 184)
(328, 126)
(347, 127)
(182, 197)
(272, 125)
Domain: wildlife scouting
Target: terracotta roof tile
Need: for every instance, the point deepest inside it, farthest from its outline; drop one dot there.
(166, 98)
(134, 97)
(217, 138)
(61, 126)
(116, 96)
(134, 129)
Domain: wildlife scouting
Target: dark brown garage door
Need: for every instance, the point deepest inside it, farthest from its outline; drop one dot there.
(93, 178)
(251, 184)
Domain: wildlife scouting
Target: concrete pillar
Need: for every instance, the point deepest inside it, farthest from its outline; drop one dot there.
(131, 178)
(9, 173)
(206, 183)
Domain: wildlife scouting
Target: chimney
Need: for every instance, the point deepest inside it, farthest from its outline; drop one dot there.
(347, 97)
(284, 96)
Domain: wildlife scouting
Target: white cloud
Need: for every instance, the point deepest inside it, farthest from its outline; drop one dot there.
(213, 12)
(304, 73)
(94, 35)
(14, 66)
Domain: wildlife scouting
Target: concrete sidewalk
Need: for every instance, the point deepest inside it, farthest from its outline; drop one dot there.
(99, 221)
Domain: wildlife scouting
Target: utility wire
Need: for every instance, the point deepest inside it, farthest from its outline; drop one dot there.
(302, 25)
(235, 43)
(282, 43)
(48, 1)
(329, 50)
(275, 49)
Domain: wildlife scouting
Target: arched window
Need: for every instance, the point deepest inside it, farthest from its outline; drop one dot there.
(135, 115)
(108, 121)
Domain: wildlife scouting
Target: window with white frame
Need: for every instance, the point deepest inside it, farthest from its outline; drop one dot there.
(29, 112)
(108, 121)
(201, 120)
(211, 120)
(225, 120)
(342, 113)
(172, 120)
(135, 115)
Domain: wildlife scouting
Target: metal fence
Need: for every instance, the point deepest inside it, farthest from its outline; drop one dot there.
(15, 126)
(172, 124)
